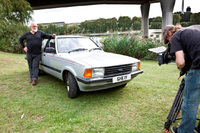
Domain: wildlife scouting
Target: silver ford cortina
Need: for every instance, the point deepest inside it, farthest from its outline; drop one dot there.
(84, 66)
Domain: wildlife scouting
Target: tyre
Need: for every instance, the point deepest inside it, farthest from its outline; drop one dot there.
(72, 87)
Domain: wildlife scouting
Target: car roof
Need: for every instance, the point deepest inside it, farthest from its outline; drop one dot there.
(70, 36)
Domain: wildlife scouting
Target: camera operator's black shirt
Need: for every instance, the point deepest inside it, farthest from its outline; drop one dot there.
(188, 40)
(34, 41)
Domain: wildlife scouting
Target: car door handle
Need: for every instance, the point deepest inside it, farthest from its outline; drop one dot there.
(44, 55)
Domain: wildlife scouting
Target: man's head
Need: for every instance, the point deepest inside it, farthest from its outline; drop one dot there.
(33, 27)
(168, 31)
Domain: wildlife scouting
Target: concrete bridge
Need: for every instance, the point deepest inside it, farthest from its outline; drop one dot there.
(167, 7)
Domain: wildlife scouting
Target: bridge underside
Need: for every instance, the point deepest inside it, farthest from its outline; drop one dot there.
(45, 4)
(167, 7)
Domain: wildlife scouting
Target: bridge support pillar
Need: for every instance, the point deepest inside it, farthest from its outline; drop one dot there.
(145, 18)
(167, 7)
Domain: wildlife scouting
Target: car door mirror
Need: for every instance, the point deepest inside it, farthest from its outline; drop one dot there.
(50, 50)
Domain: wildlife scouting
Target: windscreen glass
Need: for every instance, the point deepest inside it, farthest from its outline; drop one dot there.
(66, 45)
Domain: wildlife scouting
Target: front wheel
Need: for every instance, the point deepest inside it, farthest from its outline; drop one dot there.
(72, 87)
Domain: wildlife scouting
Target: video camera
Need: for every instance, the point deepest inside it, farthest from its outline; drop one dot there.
(164, 56)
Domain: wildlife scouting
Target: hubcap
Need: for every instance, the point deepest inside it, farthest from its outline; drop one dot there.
(68, 88)
(68, 84)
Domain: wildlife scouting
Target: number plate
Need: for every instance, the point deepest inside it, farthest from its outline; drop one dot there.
(121, 78)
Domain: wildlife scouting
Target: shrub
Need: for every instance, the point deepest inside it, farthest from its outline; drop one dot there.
(186, 24)
(9, 37)
(137, 25)
(131, 45)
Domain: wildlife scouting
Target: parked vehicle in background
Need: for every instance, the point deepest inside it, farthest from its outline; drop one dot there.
(84, 66)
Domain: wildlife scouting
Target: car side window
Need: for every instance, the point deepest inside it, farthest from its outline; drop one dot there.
(50, 43)
(44, 42)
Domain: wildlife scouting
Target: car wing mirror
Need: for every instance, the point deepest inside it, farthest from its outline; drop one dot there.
(50, 50)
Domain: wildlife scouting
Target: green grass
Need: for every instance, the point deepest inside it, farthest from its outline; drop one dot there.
(141, 106)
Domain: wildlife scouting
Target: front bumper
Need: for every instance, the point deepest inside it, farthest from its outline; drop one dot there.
(99, 84)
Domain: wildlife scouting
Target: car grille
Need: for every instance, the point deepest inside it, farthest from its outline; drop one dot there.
(117, 70)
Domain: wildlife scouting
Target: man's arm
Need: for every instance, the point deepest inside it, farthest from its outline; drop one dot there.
(180, 60)
(21, 40)
(45, 35)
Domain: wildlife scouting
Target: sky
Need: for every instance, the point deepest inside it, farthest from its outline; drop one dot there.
(79, 14)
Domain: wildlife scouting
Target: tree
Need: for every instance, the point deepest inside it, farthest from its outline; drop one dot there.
(176, 19)
(136, 23)
(139, 19)
(52, 29)
(156, 23)
(124, 23)
(100, 25)
(73, 29)
(184, 17)
(188, 9)
(15, 11)
(13, 15)
(91, 26)
(62, 30)
(111, 24)
(42, 27)
(84, 27)
(195, 18)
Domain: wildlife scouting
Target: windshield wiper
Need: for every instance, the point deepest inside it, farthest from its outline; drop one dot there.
(95, 49)
(79, 49)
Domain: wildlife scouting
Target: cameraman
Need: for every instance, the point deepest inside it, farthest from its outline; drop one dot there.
(185, 43)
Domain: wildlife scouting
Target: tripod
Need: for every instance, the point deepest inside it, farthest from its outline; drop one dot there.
(176, 107)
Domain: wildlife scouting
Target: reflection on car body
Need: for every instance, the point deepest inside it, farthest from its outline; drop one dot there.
(83, 65)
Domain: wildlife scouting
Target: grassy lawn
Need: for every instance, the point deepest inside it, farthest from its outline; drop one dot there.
(140, 107)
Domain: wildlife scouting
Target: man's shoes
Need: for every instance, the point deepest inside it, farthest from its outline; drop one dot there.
(34, 82)
(31, 81)
(174, 130)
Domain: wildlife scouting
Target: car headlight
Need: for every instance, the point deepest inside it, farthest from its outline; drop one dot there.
(95, 72)
(98, 72)
(135, 66)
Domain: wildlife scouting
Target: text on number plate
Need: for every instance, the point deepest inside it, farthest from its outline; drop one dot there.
(121, 78)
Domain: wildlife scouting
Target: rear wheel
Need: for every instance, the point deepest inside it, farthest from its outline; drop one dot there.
(72, 87)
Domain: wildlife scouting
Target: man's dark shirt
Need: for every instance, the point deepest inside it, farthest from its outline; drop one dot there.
(188, 40)
(34, 41)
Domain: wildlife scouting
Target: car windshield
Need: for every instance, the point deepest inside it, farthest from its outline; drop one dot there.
(67, 45)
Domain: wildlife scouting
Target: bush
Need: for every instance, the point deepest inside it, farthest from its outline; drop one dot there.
(131, 45)
(137, 25)
(186, 24)
(156, 23)
(9, 37)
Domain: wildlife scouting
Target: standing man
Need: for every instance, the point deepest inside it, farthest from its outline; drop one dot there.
(33, 50)
(185, 43)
